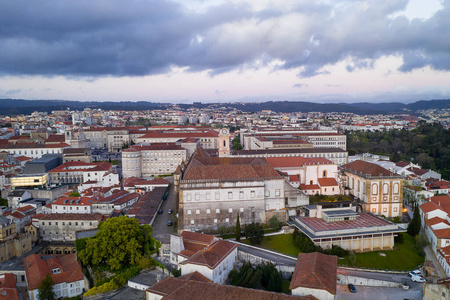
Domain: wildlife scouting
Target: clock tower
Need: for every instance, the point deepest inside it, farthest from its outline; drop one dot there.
(224, 142)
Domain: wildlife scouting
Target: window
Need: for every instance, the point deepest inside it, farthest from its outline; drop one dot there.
(230, 210)
(217, 211)
(230, 195)
(252, 209)
(241, 209)
(197, 211)
(208, 211)
(189, 211)
(197, 196)
(188, 197)
(192, 222)
(266, 193)
(241, 195)
(217, 196)
(396, 188)
(227, 220)
(215, 221)
(208, 196)
(252, 194)
(277, 192)
(385, 188)
(374, 189)
(76, 223)
(324, 174)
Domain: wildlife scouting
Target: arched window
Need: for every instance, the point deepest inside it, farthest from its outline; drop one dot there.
(396, 188)
(353, 183)
(375, 189)
(385, 188)
(324, 173)
(224, 143)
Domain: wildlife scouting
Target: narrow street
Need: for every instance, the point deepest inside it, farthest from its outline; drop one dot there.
(161, 231)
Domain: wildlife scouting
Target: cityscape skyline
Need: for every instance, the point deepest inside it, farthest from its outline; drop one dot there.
(226, 51)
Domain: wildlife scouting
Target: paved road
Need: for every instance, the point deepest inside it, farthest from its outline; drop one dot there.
(392, 277)
(379, 293)
(161, 231)
(280, 259)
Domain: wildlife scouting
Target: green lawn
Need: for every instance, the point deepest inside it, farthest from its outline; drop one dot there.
(285, 286)
(283, 243)
(404, 257)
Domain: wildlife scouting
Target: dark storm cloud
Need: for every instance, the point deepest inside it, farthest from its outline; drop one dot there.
(137, 37)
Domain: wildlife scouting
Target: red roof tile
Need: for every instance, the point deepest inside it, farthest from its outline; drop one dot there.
(327, 182)
(364, 169)
(315, 271)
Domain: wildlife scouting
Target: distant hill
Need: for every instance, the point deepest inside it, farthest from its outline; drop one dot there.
(20, 106)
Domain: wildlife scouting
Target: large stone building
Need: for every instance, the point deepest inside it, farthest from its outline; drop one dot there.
(76, 172)
(150, 160)
(336, 155)
(263, 138)
(380, 191)
(213, 191)
(63, 227)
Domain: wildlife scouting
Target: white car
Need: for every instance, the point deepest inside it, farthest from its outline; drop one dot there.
(417, 278)
(415, 272)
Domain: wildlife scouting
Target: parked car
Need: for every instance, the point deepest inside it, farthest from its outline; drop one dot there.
(352, 288)
(416, 272)
(169, 211)
(160, 211)
(417, 278)
(169, 223)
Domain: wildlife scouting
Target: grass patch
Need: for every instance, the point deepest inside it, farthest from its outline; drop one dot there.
(283, 243)
(285, 286)
(403, 257)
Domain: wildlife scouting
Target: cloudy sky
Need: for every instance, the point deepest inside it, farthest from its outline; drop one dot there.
(225, 50)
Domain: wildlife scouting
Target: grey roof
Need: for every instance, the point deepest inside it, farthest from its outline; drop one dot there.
(4, 221)
(16, 194)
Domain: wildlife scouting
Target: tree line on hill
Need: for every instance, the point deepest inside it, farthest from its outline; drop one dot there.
(426, 145)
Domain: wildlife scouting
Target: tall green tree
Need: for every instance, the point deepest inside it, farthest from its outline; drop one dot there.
(45, 290)
(274, 223)
(120, 241)
(254, 233)
(238, 229)
(414, 227)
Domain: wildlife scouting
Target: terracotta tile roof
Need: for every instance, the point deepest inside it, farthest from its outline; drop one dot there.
(74, 217)
(134, 181)
(197, 237)
(294, 178)
(436, 220)
(229, 169)
(315, 271)
(23, 158)
(443, 201)
(56, 138)
(442, 233)
(429, 206)
(195, 276)
(79, 166)
(327, 182)
(37, 267)
(181, 135)
(402, 164)
(417, 171)
(8, 288)
(286, 162)
(212, 255)
(26, 209)
(318, 161)
(154, 147)
(175, 288)
(75, 201)
(366, 169)
(309, 187)
(287, 142)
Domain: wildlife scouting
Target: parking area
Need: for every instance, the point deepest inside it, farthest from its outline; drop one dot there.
(379, 293)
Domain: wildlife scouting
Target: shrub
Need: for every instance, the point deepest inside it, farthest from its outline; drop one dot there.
(274, 223)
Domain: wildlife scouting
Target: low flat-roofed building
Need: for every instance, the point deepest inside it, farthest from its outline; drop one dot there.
(327, 224)
(63, 227)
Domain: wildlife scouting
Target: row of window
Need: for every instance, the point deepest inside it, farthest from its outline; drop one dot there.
(64, 223)
(208, 211)
(231, 195)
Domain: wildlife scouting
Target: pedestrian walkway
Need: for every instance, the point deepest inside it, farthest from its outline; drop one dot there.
(429, 254)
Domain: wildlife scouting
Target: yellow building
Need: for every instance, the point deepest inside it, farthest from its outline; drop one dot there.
(379, 190)
(29, 180)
